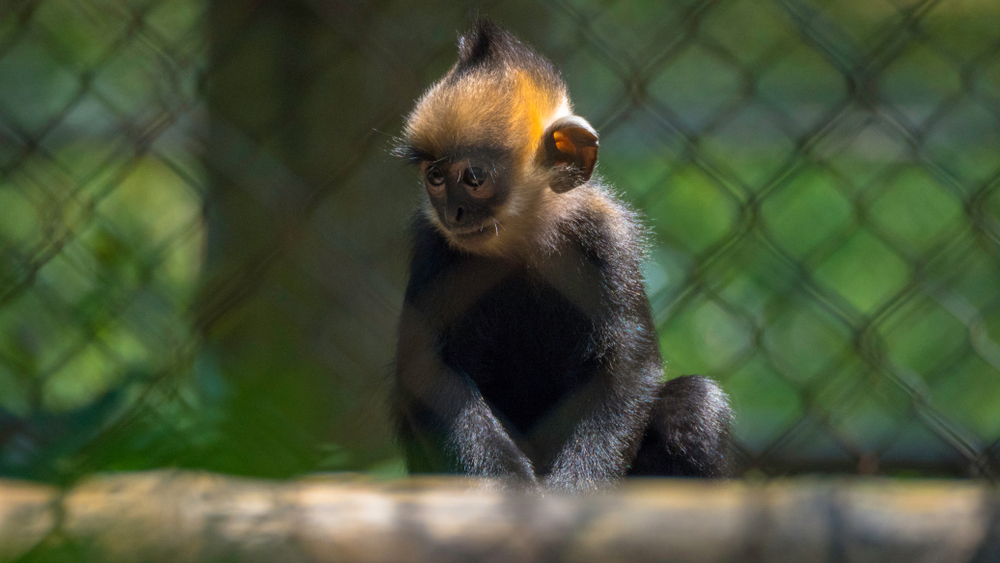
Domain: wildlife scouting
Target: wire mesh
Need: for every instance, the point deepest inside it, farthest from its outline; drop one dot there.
(202, 247)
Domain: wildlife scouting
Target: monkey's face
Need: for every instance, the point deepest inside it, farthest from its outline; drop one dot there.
(466, 194)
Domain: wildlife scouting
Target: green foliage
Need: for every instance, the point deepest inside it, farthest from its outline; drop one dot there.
(825, 245)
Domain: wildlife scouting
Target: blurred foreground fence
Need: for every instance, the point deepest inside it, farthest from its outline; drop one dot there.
(202, 244)
(194, 517)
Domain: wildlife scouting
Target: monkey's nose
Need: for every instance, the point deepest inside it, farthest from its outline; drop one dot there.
(459, 215)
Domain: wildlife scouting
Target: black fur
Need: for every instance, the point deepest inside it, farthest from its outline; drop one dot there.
(490, 48)
(542, 366)
(559, 377)
(688, 433)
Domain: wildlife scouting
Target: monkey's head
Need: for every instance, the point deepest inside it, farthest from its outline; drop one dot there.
(497, 143)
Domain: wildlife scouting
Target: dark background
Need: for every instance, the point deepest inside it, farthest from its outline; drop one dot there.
(202, 248)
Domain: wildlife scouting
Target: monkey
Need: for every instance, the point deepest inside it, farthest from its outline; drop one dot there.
(527, 348)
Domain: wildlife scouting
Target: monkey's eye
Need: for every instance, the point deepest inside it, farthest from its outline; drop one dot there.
(474, 176)
(434, 175)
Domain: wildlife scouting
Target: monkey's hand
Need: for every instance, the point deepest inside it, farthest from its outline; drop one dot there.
(604, 439)
(585, 466)
(484, 447)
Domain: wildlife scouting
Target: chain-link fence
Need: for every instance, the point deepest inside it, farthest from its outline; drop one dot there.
(202, 246)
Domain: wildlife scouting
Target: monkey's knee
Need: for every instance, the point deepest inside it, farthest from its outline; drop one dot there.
(688, 432)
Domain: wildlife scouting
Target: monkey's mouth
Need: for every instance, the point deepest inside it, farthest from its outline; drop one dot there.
(481, 232)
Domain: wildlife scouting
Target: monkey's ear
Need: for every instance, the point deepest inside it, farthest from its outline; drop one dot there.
(570, 147)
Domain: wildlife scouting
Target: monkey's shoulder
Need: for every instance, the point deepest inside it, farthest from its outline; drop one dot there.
(605, 229)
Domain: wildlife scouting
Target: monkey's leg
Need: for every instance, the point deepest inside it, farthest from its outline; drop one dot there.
(688, 431)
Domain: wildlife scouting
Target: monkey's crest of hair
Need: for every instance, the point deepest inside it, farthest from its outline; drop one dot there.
(499, 91)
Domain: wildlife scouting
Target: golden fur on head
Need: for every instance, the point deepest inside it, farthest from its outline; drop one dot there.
(500, 96)
(499, 91)
(505, 106)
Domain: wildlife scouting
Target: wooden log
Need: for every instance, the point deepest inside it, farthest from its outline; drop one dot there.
(188, 516)
(27, 516)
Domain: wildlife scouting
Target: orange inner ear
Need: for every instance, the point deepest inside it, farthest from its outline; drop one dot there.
(563, 143)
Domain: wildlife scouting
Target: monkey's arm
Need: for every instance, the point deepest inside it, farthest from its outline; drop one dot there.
(608, 415)
(446, 414)
(607, 432)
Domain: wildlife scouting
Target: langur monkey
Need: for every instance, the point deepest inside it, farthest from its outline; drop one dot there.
(527, 348)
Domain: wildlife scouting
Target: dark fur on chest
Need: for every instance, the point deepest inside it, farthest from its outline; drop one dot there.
(525, 346)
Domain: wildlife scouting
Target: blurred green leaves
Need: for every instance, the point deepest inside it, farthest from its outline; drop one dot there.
(101, 234)
(202, 233)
